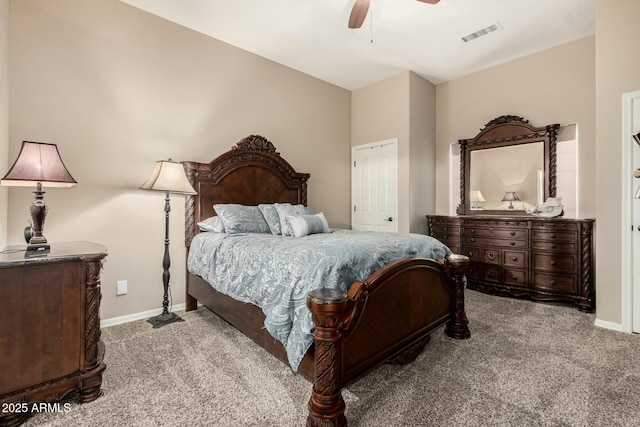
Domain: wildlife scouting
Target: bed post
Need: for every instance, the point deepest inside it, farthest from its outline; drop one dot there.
(326, 405)
(458, 326)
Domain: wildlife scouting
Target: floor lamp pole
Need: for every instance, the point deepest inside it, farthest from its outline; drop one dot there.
(166, 317)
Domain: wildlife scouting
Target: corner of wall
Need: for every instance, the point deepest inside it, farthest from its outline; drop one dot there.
(4, 114)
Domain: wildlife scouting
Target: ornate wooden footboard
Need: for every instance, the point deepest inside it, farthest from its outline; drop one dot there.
(388, 317)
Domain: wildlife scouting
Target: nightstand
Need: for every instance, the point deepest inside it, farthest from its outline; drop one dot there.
(49, 326)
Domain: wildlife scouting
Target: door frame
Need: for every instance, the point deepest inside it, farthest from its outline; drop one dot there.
(630, 287)
(394, 142)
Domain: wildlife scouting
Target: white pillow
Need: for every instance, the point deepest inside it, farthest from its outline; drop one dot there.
(286, 210)
(212, 224)
(303, 225)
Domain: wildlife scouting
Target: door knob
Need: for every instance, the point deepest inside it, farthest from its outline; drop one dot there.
(389, 219)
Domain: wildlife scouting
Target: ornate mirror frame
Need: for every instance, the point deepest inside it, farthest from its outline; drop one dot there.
(507, 131)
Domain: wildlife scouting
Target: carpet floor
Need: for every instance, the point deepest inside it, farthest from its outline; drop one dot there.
(526, 364)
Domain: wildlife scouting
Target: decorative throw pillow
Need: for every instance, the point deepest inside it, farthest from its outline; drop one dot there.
(270, 214)
(304, 225)
(286, 210)
(241, 219)
(213, 223)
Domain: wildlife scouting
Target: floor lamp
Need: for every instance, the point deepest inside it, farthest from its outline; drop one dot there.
(168, 176)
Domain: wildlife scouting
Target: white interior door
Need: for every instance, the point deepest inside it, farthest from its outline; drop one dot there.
(631, 213)
(374, 186)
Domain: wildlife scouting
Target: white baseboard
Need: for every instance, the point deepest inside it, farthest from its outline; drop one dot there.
(138, 316)
(609, 325)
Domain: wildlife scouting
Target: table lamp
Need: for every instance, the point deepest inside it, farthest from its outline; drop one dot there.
(39, 164)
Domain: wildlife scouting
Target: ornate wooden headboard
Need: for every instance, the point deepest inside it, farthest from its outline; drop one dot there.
(250, 173)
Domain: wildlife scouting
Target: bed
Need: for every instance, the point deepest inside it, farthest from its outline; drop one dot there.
(387, 317)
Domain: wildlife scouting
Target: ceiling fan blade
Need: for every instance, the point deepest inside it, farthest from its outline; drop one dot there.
(358, 13)
(430, 1)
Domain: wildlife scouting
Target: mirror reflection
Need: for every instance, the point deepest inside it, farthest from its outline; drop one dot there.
(507, 178)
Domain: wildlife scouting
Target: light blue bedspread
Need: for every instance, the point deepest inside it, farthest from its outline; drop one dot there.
(276, 272)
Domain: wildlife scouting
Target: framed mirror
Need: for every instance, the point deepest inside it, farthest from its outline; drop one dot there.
(509, 167)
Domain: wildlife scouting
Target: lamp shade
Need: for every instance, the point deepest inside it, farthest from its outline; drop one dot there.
(38, 162)
(476, 196)
(510, 196)
(169, 176)
(636, 138)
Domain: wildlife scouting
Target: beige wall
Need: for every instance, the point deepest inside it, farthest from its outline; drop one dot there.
(401, 107)
(4, 115)
(118, 89)
(618, 72)
(553, 86)
(422, 151)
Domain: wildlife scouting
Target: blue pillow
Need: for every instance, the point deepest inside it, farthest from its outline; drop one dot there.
(270, 214)
(241, 219)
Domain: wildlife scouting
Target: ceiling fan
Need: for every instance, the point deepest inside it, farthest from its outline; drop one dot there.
(361, 7)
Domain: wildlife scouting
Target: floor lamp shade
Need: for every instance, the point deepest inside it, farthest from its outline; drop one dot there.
(39, 165)
(169, 177)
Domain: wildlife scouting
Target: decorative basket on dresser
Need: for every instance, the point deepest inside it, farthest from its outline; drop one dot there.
(545, 259)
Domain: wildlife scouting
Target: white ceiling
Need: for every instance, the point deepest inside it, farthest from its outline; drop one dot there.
(398, 35)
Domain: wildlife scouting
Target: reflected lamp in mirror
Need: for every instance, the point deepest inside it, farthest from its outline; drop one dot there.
(477, 199)
(38, 165)
(510, 196)
(636, 138)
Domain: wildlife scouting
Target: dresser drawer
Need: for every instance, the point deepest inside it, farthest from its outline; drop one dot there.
(554, 225)
(491, 273)
(550, 262)
(500, 233)
(446, 228)
(472, 252)
(489, 241)
(499, 223)
(515, 277)
(491, 256)
(473, 271)
(449, 240)
(552, 246)
(555, 236)
(515, 259)
(555, 282)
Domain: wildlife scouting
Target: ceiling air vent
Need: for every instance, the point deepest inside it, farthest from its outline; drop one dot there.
(482, 32)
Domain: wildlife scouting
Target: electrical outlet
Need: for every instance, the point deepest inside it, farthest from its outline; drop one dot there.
(121, 287)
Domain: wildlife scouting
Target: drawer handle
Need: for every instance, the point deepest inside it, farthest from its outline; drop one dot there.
(473, 230)
(514, 277)
(491, 256)
(553, 282)
(512, 243)
(553, 246)
(445, 236)
(470, 254)
(553, 262)
(515, 258)
(446, 229)
(553, 235)
(513, 233)
(473, 239)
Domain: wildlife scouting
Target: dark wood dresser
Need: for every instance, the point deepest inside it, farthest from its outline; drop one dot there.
(540, 258)
(49, 327)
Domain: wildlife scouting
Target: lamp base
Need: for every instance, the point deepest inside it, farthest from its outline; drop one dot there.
(164, 319)
(37, 249)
